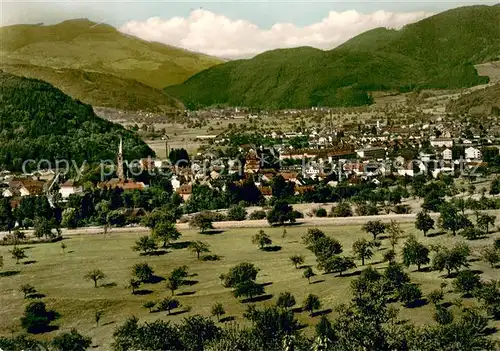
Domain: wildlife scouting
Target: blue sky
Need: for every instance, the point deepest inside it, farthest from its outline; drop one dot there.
(234, 28)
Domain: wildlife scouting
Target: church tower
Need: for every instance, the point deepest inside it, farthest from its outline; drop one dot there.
(119, 160)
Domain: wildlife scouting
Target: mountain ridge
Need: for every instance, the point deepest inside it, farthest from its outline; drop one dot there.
(437, 52)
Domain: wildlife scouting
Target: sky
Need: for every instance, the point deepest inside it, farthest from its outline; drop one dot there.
(234, 28)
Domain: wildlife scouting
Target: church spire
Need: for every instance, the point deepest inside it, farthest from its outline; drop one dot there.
(119, 160)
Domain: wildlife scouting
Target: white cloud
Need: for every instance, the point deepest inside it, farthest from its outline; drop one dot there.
(217, 35)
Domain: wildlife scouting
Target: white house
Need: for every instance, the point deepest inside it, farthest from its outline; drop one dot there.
(69, 188)
(447, 155)
(442, 142)
(471, 153)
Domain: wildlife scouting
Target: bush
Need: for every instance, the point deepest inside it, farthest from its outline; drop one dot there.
(471, 233)
(320, 212)
(343, 209)
(256, 215)
(237, 213)
(402, 209)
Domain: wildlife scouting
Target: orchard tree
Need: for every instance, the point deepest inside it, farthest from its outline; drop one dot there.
(134, 284)
(36, 318)
(491, 255)
(311, 303)
(309, 273)
(484, 221)
(173, 283)
(218, 310)
(281, 213)
(71, 341)
(146, 244)
(451, 259)
(143, 272)
(202, 221)
(395, 276)
(198, 247)
(297, 260)
(18, 254)
(395, 233)
(451, 220)
(238, 274)
(95, 275)
(168, 304)
(325, 247)
(435, 296)
(362, 248)
(27, 290)
(149, 305)
(375, 228)
(415, 253)
(285, 300)
(337, 264)
(466, 282)
(165, 232)
(409, 294)
(261, 239)
(424, 222)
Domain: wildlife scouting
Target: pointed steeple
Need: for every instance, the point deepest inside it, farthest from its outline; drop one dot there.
(119, 160)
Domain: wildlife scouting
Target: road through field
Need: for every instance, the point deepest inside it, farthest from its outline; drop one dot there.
(307, 222)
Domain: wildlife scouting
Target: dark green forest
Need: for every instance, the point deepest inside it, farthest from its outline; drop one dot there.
(437, 52)
(38, 121)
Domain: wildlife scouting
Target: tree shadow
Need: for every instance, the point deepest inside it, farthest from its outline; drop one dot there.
(211, 258)
(108, 285)
(273, 248)
(9, 273)
(322, 312)
(71, 251)
(305, 266)
(189, 282)
(180, 245)
(108, 323)
(432, 235)
(176, 313)
(143, 292)
(446, 304)
(474, 260)
(45, 329)
(155, 253)
(186, 293)
(424, 270)
(258, 298)
(29, 262)
(351, 274)
(155, 279)
(213, 232)
(266, 284)
(36, 296)
(490, 331)
(227, 319)
(417, 303)
(317, 281)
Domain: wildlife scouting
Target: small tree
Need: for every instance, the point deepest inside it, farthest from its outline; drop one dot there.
(149, 305)
(27, 290)
(166, 232)
(484, 221)
(415, 253)
(261, 239)
(71, 341)
(490, 255)
(443, 316)
(337, 264)
(389, 256)
(218, 310)
(285, 300)
(297, 260)
(362, 248)
(202, 221)
(95, 275)
(375, 228)
(18, 254)
(63, 247)
(395, 233)
(36, 318)
(451, 259)
(173, 283)
(97, 316)
(180, 273)
(143, 272)
(451, 220)
(311, 303)
(238, 274)
(134, 284)
(146, 244)
(424, 222)
(309, 273)
(435, 296)
(409, 293)
(168, 304)
(198, 247)
(466, 281)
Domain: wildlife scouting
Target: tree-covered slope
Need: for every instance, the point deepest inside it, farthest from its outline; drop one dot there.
(99, 89)
(38, 121)
(485, 102)
(438, 52)
(63, 53)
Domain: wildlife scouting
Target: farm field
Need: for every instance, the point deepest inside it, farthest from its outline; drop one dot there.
(60, 276)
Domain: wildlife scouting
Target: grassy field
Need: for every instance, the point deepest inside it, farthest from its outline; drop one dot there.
(59, 276)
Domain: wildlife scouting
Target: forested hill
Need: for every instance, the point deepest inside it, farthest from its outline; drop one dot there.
(437, 52)
(483, 102)
(38, 121)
